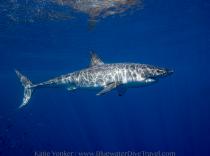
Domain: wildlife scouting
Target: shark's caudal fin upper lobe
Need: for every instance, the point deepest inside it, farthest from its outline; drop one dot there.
(28, 90)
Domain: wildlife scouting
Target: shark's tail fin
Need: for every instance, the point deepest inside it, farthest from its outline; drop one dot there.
(28, 89)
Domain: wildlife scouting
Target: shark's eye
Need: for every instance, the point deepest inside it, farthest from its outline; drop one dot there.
(159, 71)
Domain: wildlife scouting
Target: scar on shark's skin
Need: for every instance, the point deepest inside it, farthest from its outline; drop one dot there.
(107, 77)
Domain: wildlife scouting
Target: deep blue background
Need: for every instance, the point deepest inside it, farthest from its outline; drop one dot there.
(172, 115)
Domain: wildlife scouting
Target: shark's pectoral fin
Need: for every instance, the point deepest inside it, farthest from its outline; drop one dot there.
(121, 90)
(108, 88)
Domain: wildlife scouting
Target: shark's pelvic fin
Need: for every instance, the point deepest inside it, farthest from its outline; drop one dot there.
(121, 89)
(95, 60)
(28, 89)
(71, 88)
(108, 88)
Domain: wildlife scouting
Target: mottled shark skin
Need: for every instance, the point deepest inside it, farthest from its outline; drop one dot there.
(107, 77)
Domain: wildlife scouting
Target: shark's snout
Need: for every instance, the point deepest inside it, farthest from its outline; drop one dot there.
(169, 72)
(162, 72)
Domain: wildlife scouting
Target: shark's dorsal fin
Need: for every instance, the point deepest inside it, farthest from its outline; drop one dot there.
(95, 60)
(91, 24)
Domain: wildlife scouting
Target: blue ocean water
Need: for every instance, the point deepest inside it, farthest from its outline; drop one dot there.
(169, 116)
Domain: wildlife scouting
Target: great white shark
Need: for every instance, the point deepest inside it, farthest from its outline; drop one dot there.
(107, 77)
